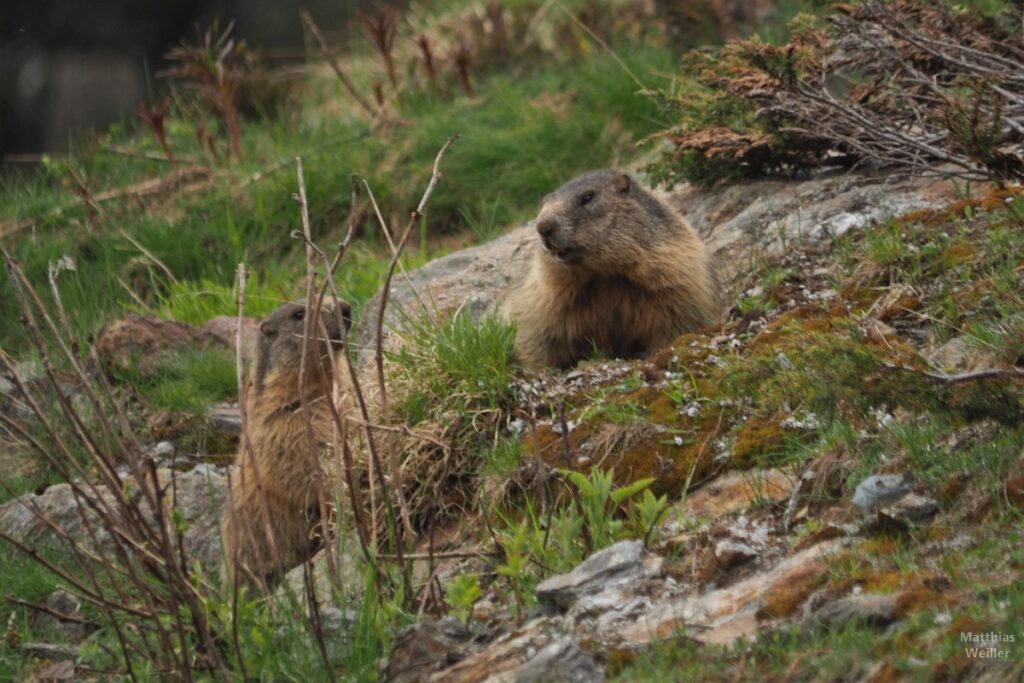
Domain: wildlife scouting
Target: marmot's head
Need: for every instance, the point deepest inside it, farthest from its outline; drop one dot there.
(279, 357)
(601, 221)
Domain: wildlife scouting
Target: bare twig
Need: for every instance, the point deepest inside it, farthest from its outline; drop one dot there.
(414, 218)
(307, 18)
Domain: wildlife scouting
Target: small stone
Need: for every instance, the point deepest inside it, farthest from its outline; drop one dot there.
(868, 608)
(911, 508)
(562, 661)
(879, 490)
(51, 651)
(164, 449)
(58, 671)
(878, 331)
(622, 562)
(960, 355)
(226, 417)
(783, 361)
(53, 628)
(731, 553)
(422, 649)
(556, 427)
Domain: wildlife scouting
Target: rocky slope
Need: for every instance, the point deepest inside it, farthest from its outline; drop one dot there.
(843, 457)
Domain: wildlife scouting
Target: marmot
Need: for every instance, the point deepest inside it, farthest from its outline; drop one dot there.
(616, 270)
(274, 483)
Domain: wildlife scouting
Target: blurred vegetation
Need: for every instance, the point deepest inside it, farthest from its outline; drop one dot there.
(539, 92)
(851, 85)
(533, 121)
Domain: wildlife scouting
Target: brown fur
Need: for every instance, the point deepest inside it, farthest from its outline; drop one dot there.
(274, 482)
(615, 270)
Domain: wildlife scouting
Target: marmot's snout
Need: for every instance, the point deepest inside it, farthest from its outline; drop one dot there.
(556, 239)
(346, 318)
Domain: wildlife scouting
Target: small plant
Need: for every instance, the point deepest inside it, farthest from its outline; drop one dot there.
(521, 544)
(646, 514)
(215, 67)
(382, 25)
(462, 62)
(212, 66)
(154, 118)
(461, 595)
(601, 503)
(427, 55)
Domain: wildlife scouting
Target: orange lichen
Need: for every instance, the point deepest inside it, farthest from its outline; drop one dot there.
(956, 254)
(1015, 491)
(993, 200)
(670, 465)
(880, 545)
(682, 351)
(920, 596)
(618, 658)
(785, 599)
(900, 307)
(757, 440)
(800, 320)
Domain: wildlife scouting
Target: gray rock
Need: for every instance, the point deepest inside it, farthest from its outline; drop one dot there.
(562, 661)
(736, 221)
(422, 649)
(58, 671)
(473, 280)
(910, 509)
(198, 493)
(869, 608)
(623, 562)
(226, 417)
(28, 371)
(730, 553)
(224, 328)
(51, 651)
(880, 490)
(960, 355)
(50, 627)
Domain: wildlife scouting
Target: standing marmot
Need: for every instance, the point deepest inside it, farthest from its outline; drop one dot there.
(619, 272)
(275, 483)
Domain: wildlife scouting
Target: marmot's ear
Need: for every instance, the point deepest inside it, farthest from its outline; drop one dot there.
(267, 328)
(622, 183)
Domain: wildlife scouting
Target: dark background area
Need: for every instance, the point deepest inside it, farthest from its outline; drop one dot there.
(70, 65)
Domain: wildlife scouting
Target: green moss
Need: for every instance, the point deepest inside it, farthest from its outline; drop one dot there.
(758, 442)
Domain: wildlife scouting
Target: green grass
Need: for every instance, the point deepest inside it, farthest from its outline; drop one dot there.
(456, 364)
(26, 579)
(187, 381)
(521, 138)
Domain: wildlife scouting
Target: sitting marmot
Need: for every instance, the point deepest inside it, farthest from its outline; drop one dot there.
(618, 272)
(274, 481)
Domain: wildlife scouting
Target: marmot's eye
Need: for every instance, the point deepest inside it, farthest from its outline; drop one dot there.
(586, 198)
(299, 314)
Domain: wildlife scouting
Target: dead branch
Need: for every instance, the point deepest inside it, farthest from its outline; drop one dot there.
(145, 188)
(414, 218)
(307, 18)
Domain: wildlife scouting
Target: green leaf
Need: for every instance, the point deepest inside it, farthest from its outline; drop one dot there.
(626, 492)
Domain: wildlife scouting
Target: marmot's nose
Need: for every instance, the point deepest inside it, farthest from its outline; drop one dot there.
(547, 227)
(346, 313)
